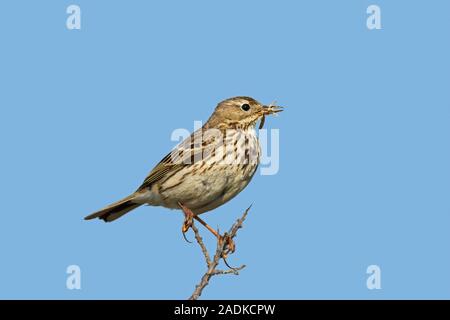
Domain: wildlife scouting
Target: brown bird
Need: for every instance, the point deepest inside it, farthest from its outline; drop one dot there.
(207, 169)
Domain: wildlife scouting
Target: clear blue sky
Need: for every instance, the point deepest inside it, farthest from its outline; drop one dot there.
(364, 145)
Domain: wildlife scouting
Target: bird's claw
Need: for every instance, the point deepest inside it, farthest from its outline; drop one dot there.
(185, 238)
(229, 247)
(187, 224)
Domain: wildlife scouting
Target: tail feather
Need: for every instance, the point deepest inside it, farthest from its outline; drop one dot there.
(115, 210)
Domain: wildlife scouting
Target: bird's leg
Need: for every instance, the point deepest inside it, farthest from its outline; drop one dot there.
(207, 226)
(230, 246)
(188, 216)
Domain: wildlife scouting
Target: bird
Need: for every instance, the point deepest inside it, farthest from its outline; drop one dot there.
(207, 169)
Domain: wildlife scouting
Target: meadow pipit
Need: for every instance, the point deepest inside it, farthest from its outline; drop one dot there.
(205, 170)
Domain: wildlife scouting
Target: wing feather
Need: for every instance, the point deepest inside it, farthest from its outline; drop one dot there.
(185, 154)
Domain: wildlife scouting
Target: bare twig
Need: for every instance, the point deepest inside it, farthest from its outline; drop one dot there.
(202, 245)
(222, 250)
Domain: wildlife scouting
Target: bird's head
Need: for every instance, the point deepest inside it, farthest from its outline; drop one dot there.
(240, 113)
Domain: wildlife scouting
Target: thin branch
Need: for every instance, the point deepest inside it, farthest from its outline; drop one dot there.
(222, 250)
(202, 245)
(234, 271)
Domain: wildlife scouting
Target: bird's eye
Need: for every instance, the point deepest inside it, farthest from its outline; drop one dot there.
(245, 107)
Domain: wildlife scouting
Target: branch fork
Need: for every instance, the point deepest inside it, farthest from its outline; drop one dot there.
(225, 247)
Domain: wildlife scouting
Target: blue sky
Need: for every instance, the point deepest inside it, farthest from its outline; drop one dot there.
(364, 171)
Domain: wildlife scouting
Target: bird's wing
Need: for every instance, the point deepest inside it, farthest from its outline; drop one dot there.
(159, 171)
(185, 154)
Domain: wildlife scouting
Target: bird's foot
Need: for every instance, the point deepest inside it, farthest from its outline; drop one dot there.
(188, 220)
(229, 247)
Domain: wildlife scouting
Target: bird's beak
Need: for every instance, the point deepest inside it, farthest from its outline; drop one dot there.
(271, 109)
(267, 110)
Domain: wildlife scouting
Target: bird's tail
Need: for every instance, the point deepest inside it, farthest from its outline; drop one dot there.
(116, 210)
